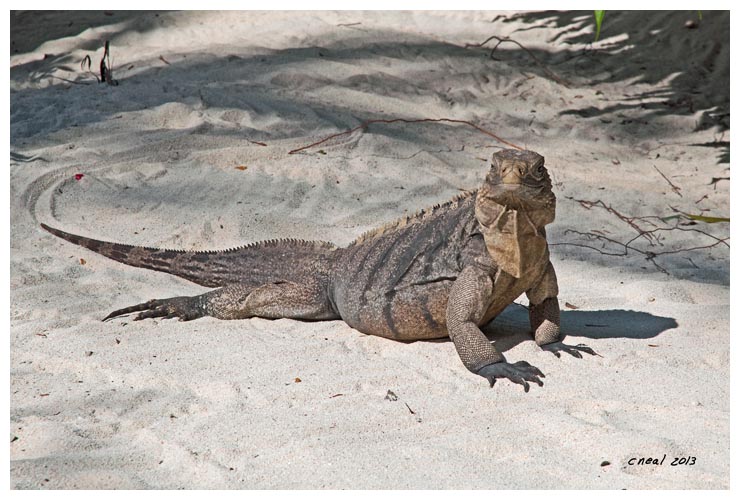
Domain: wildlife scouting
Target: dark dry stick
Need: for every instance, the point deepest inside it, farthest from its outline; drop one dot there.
(649, 255)
(650, 235)
(106, 69)
(366, 123)
(629, 220)
(692, 230)
(715, 180)
(86, 61)
(534, 58)
(675, 188)
(701, 199)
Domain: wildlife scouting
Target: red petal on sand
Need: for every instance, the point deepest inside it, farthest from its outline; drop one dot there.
(79, 176)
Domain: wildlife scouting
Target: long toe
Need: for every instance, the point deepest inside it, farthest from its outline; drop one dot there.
(526, 367)
(151, 313)
(128, 310)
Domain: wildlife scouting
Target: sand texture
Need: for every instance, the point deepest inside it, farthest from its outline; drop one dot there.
(190, 150)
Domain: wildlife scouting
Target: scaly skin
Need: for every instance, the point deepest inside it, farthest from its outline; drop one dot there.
(442, 272)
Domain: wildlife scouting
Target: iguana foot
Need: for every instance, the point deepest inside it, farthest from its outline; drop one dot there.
(184, 308)
(573, 350)
(519, 373)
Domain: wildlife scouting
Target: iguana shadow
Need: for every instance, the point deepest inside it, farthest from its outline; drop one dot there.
(512, 326)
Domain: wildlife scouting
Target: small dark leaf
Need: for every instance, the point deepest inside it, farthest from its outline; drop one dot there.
(86, 61)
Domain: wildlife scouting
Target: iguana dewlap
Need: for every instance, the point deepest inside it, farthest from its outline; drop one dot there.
(442, 272)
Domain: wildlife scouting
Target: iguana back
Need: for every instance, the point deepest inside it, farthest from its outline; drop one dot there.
(394, 281)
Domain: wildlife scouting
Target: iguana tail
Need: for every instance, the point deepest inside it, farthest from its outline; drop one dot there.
(255, 264)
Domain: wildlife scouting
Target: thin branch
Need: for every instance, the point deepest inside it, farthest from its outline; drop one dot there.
(715, 180)
(366, 123)
(649, 255)
(652, 235)
(675, 188)
(106, 70)
(581, 245)
(501, 40)
(629, 220)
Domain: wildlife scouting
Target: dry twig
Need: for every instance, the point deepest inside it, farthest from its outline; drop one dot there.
(651, 235)
(106, 71)
(629, 220)
(675, 188)
(501, 40)
(366, 123)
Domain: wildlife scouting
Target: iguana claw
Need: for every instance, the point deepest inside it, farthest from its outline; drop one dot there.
(184, 308)
(573, 350)
(519, 373)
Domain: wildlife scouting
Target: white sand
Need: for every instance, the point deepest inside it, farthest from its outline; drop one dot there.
(215, 404)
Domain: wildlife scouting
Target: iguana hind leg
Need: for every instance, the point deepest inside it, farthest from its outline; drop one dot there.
(273, 300)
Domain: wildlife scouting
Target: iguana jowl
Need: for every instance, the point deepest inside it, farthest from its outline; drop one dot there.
(442, 272)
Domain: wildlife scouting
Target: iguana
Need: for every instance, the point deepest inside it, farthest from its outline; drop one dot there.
(442, 272)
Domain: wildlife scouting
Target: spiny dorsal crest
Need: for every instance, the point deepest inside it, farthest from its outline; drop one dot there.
(415, 218)
(281, 242)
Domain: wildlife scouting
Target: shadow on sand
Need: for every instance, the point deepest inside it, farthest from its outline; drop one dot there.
(512, 326)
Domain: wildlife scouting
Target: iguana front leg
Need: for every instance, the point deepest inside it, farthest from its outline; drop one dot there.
(544, 317)
(469, 299)
(272, 300)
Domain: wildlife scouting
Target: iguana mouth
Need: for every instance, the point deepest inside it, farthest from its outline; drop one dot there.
(520, 195)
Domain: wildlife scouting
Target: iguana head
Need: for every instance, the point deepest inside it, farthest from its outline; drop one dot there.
(513, 206)
(520, 181)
